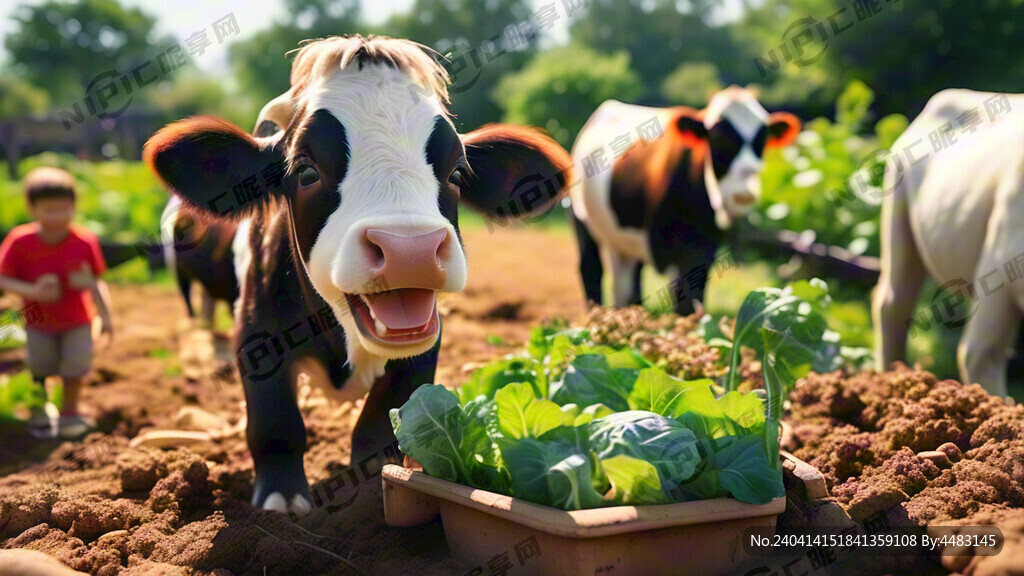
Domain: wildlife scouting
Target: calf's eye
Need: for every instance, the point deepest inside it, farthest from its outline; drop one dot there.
(308, 176)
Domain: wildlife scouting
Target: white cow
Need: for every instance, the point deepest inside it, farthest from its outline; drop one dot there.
(955, 184)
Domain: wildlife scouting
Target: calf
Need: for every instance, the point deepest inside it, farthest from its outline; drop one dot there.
(666, 200)
(212, 252)
(197, 249)
(354, 209)
(951, 199)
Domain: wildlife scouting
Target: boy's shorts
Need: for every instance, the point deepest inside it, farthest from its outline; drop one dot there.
(65, 354)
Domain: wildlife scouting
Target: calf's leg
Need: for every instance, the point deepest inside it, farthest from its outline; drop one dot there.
(275, 431)
(591, 268)
(637, 297)
(209, 304)
(625, 285)
(373, 436)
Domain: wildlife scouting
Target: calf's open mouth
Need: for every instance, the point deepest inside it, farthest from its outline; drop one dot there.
(400, 316)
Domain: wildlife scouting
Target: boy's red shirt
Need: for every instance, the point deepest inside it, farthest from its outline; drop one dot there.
(24, 255)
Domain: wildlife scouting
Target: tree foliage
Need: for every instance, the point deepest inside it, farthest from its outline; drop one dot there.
(560, 88)
(18, 97)
(62, 46)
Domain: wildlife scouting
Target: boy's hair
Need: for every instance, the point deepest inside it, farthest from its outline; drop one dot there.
(44, 183)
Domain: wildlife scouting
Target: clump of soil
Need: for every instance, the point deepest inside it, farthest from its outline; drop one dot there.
(671, 342)
(864, 432)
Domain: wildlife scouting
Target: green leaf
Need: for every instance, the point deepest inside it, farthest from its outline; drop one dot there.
(666, 444)
(655, 391)
(493, 377)
(550, 473)
(590, 380)
(522, 415)
(735, 466)
(429, 428)
(796, 312)
(747, 410)
(744, 471)
(483, 459)
(633, 481)
(591, 413)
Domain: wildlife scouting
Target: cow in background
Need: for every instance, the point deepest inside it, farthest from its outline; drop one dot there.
(354, 209)
(212, 252)
(954, 188)
(666, 200)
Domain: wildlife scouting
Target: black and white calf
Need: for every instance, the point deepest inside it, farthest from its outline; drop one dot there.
(354, 232)
(212, 252)
(666, 200)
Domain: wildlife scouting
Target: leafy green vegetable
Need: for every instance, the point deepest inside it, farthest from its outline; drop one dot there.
(20, 391)
(591, 412)
(491, 378)
(736, 466)
(479, 428)
(787, 329)
(521, 415)
(664, 443)
(574, 425)
(590, 380)
(550, 473)
(633, 481)
(429, 427)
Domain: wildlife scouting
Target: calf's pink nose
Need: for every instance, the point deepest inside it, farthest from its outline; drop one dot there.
(408, 261)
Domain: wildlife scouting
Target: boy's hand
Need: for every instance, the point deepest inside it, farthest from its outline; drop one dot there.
(47, 289)
(106, 333)
(83, 278)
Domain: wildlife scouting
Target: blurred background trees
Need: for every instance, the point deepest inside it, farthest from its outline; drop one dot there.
(673, 51)
(60, 46)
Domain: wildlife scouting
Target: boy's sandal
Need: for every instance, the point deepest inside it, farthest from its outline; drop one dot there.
(44, 421)
(75, 426)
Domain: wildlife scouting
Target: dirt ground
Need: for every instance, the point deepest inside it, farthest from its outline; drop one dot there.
(104, 507)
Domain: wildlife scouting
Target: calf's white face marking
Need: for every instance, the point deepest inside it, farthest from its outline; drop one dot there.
(739, 189)
(388, 186)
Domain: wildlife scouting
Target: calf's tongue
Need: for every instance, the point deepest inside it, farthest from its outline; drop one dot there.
(402, 309)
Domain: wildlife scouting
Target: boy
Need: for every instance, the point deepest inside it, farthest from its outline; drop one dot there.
(54, 266)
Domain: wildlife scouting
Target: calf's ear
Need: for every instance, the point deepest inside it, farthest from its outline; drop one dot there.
(216, 167)
(783, 129)
(516, 171)
(689, 127)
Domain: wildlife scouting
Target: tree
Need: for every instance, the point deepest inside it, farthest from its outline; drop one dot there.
(18, 98)
(61, 46)
(906, 51)
(659, 38)
(691, 84)
(485, 41)
(261, 64)
(560, 88)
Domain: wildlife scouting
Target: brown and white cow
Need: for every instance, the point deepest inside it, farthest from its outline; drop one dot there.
(949, 212)
(666, 200)
(354, 209)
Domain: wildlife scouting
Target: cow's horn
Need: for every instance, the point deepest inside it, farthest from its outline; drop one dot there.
(279, 111)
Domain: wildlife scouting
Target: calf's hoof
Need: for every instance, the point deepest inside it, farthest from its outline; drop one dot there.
(298, 505)
(282, 490)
